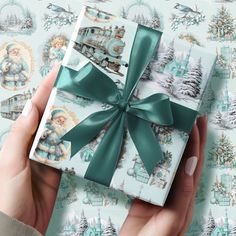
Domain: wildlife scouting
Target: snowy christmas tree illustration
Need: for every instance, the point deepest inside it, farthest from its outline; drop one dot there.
(218, 118)
(15, 18)
(222, 26)
(155, 22)
(231, 116)
(165, 58)
(222, 153)
(147, 73)
(152, 20)
(211, 228)
(109, 229)
(83, 224)
(190, 85)
(209, 225)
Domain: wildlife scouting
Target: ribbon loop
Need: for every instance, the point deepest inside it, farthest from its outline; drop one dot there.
(98, 87)
(155, 109)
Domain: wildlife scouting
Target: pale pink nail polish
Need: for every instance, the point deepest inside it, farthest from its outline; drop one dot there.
(191, 165)
(27, 108)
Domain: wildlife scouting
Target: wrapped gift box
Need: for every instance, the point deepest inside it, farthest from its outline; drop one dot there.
(177, 69)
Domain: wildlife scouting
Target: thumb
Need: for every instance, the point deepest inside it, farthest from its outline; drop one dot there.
(15, 149)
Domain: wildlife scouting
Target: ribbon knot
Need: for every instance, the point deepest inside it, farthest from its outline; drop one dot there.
(124, 106)
(137, 115)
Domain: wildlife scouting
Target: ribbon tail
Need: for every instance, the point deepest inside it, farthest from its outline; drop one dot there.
(88, 129)
(145, 141)
(106, 157)
(183, 117)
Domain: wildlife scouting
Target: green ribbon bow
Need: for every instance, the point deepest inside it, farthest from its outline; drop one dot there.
(90, 82)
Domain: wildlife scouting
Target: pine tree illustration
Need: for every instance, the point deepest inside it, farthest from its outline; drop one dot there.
(233, 231)
(231, 117)
(147, 73)
(218, 187)
(191, 82)
(109, 230)
(155, 22)
(83, 224)
(123, 13)
(222, 24)
(222, 152)
(167, 82)
(218, 118)
(209, 226)
(165, 59)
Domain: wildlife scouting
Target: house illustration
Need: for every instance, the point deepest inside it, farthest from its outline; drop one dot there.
(179, 67)
(95, 230)
(94, 195)
(86, 154)
(222, 230)
(228, 68)
(159, 177)
(223, 102)
(139, 172)
(224, 191)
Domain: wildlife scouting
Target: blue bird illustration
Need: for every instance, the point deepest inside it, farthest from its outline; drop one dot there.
(57, 9)
(185, 9)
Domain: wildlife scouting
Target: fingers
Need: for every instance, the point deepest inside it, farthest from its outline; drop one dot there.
(172, 218)
(202, 127)
(43, 92)
(15, 148)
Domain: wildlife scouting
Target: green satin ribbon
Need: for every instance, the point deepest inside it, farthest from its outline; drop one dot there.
(90, 82)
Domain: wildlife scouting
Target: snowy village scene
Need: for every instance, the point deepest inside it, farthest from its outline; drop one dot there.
(222, 106)
(15, 19)
(180, 72)
(142, 13)
(88, 209)
(214, 226)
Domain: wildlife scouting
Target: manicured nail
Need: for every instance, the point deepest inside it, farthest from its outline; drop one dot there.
(191, 165)
(27, 108)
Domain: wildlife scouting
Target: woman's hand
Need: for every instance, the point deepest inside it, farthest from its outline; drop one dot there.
(174, 218)
(28, 189)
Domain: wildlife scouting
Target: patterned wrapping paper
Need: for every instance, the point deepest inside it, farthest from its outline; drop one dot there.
(179, 70)
(46, 26)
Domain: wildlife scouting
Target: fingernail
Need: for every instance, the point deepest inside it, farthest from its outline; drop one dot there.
(191, 165)
(27, 108)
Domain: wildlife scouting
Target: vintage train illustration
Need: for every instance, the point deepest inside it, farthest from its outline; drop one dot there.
(12, 107)
(104, 46)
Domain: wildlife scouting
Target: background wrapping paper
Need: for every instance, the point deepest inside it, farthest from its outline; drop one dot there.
(41, 31)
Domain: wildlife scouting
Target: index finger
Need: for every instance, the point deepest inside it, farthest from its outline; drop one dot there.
(43, 92)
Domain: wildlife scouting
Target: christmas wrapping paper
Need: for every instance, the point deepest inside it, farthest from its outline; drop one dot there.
(180, 70)
(38, 47)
